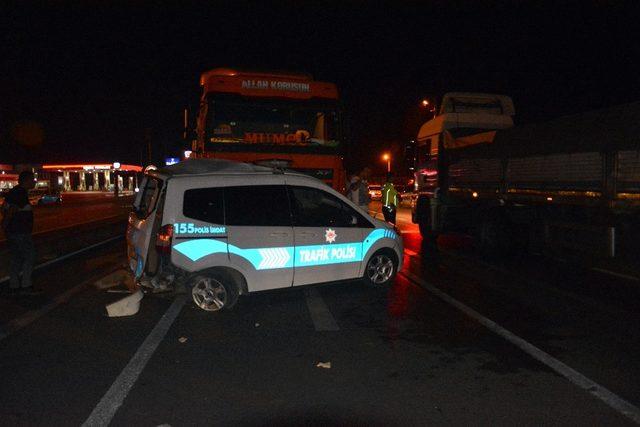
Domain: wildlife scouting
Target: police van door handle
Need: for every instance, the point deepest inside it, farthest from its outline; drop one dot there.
(304, 234)
(283, 234)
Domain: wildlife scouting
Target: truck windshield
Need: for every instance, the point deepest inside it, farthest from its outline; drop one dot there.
(284, 123)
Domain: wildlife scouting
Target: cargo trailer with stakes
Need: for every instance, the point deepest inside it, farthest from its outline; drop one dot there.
(567, 186)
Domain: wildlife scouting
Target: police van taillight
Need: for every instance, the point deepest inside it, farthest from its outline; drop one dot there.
(163, 239)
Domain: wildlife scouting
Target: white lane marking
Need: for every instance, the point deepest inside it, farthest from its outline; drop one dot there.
(613, 273)
(614, 401)
(322, 318)
(69, 255)
(104, 412)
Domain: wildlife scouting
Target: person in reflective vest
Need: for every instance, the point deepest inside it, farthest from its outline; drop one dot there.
(389, 200)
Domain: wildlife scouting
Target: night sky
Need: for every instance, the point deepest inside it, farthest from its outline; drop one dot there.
(90, 81)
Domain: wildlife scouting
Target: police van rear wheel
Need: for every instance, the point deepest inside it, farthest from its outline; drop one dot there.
(381, 269)
(213, 292)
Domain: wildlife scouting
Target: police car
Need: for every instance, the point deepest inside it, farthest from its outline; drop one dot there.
(227, 229)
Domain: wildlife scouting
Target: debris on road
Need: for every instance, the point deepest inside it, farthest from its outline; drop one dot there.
(257, 324)
(183, 340)
(127, 306)
(324, 365)
(160, 283)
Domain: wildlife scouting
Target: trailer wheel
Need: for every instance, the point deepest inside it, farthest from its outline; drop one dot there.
(422, 215)
(425, 228)
(429, 236)
(426, 231)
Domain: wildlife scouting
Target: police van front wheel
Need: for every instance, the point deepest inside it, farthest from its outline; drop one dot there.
(213, 292)
(381, 269)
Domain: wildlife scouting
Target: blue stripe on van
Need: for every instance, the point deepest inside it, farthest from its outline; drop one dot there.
(283, 257)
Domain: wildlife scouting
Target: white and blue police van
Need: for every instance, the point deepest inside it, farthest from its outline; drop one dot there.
(226, 229)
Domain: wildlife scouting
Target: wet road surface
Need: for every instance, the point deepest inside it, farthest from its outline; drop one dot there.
(400, 355)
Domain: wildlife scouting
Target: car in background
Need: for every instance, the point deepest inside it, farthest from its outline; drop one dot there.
(50, 199)
(37, 197)
(375, 192)
(405, 194)
(44, 197)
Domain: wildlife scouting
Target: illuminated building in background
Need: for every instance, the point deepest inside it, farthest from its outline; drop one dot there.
(91, 176)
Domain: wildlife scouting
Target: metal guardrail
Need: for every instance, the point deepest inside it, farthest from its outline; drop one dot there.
(69, 255)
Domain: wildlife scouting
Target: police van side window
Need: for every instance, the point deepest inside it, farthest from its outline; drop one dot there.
(313, 207)
(204, 204)
(257, 205)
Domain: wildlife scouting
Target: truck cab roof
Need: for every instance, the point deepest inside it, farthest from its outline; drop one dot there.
(468, 112)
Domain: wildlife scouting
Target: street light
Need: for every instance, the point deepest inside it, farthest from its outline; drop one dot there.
(387, 158)
(425, 104)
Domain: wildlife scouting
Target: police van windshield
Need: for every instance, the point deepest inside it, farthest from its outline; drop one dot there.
(255, 122)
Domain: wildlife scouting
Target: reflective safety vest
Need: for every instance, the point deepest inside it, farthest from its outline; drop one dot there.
(389, 195)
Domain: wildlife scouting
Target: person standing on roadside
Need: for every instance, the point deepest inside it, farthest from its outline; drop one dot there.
(352, 188)
(364, 198)
(389, 200)
(17, 223)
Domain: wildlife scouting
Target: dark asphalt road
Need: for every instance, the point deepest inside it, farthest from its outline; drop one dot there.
(401, 355)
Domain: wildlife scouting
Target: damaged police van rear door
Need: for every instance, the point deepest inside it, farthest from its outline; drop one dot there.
(143, 229)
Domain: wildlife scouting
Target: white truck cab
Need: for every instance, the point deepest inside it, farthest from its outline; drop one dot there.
(228, 228)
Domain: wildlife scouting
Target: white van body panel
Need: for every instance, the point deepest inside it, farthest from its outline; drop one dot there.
(334, 245)
(262, 253)
(248, 244)
(366, 241)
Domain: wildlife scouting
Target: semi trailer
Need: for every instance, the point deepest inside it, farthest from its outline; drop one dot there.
(570, 185)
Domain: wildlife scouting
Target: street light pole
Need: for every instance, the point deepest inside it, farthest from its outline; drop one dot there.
(387, 158)
(425, 103)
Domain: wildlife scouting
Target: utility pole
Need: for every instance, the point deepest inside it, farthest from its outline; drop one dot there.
(387, 158)
(148, 132)
(185, 134)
